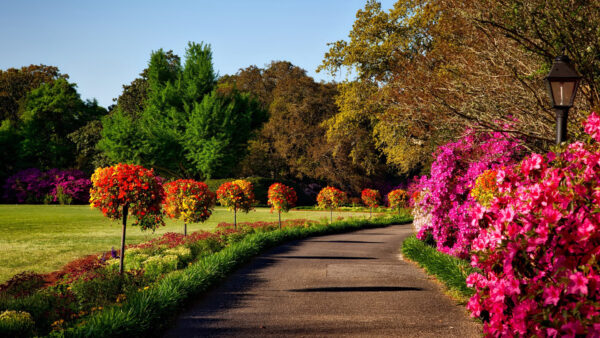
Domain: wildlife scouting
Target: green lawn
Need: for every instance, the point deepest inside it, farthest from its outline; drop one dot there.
(42, 238)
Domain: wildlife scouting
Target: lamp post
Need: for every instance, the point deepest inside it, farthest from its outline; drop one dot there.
(562, 82)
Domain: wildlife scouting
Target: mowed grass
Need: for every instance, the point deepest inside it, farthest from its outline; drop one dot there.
(42, 238)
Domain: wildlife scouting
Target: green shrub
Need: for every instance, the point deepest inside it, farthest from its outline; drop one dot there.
(16, 324)
(448, 269)
(205, 247)
(104, 286)
(184, 255)
(155, 266)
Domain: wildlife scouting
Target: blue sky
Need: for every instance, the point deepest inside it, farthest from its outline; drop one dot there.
(105, 44)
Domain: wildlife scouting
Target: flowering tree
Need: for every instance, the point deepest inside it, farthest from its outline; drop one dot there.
(538, 250)
(397, 199)
(188, 200)
(370, 198)
(125, 188)
(331, 198)
(281, 198)
(236, 195)
(444, 196)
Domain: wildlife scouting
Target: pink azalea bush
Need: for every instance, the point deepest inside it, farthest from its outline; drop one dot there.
(540, 244)
(444, 197)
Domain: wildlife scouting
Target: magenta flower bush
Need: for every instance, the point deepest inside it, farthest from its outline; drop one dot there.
(540, 244)
(444, 196)
(34, 186)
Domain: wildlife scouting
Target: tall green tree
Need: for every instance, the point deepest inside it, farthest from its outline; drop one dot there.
(182, 102)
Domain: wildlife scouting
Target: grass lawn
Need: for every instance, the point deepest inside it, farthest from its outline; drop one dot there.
(42, 238)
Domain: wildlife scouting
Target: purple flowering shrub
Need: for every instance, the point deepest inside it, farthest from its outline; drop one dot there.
(55, 185)
(540, 244)
(444, 197)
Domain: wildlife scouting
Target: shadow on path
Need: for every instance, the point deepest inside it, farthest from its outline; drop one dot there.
(359, 289)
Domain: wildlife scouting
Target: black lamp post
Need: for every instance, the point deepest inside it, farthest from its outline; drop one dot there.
(562, 82)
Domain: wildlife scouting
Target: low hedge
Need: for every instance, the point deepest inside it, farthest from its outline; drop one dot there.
(145, 312)
(448, 269)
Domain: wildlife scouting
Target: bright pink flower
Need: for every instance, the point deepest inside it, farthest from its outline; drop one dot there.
(577, 284)
(551, 295)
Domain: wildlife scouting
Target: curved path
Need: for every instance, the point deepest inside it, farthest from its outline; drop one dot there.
(352, 284)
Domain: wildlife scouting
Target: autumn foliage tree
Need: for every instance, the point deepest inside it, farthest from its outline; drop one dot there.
(281, 198)
(124, 188)
(370, 198)
(189, 201)
(236, 195)
(331, 198)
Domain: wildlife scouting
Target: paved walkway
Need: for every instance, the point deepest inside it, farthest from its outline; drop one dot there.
(350, 284)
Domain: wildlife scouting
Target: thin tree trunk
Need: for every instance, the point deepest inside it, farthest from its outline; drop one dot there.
(279, 219)
(122, 258)
(370, 212)
(331, 215)
(184, 229)
(234, 218)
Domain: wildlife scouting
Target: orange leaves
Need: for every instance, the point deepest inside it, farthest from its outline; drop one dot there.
(188, 200)
(236, 195)
(330, 197)
(281, 197)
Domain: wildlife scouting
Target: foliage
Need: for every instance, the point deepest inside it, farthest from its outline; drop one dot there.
(331, 198)
(397, 199)
(128, 185)
(188, 200)
(445, 193)
(32, 186)
(485, 188)
(15, 84)
(538, 247)
(370, 198)
(51, 112)
(186, 128)
(236, 195)
(282, 197)
(22, 284)
(85, 139)
(16, 324)
(448, 269)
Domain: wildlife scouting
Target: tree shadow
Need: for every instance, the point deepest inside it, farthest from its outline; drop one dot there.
(345, 242)
(325, 257)
(359, 289)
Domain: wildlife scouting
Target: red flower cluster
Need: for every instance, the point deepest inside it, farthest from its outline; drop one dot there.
(370, 197)
(236, 195)
(281, 197)
(172, 239)
(131, 185)
(330, 198)
(397, 198)
(188, 200)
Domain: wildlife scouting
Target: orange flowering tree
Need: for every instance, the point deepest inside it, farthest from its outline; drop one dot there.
(370, 198)
(188, 200)
(397, 199)
(331, 198)
(128, 188)
(281, 198)
(236, 195)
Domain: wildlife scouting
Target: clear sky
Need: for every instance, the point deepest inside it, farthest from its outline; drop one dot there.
(105, 44)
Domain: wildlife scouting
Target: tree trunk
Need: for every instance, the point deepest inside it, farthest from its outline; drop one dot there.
(370, 212)
(279, 219)
(122, 258)
(184, 229)
(331, 215)
(234, 218)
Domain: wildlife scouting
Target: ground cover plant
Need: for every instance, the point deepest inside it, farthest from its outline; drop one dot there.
(53, 235)
(94, 283)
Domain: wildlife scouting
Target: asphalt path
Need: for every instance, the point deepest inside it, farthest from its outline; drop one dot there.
(353, 284)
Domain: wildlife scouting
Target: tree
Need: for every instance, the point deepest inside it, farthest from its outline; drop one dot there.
(331, 198)
(125, 188)
(189, 201)
(51, 112)
(86, 138)
(15, 84)
(397, 199)
(371, 199)
(281, 198)
(236, 195)
(187, 128)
